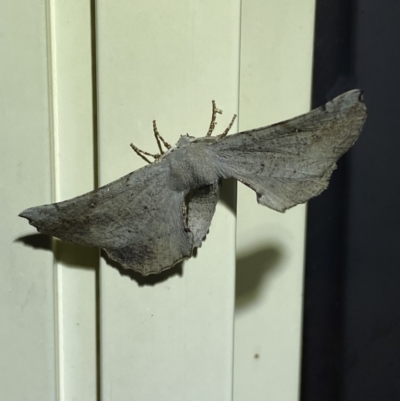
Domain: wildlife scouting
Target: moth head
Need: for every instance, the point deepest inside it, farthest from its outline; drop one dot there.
(184, 140)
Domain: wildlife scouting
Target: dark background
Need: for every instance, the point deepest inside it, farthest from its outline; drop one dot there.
(352, 283)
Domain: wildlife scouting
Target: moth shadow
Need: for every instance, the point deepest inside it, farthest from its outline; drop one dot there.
(252, 269)
(77, 256)
(152, 279)
(227, 194)
(71, 255)
(37, 241)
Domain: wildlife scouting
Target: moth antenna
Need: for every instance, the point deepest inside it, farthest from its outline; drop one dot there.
(158, 137)
(142, 153)
(213, 123)
(155, 130)
(225, 133)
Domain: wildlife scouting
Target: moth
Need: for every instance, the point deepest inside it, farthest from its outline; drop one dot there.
(154, 217)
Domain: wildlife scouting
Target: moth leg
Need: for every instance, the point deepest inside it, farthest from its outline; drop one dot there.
(141, 153)
(213, 123)
(225, 133)
(158, 137)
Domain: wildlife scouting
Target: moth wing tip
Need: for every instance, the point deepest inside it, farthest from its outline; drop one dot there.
(26, 214)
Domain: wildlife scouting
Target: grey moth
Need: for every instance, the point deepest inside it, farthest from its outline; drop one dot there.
(154, 217)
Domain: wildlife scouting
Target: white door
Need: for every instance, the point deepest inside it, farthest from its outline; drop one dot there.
(80, 81)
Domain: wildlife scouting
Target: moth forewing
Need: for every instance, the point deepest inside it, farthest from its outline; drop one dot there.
(290, 162)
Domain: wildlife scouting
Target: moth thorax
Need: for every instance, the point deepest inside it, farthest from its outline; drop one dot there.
(191, 167)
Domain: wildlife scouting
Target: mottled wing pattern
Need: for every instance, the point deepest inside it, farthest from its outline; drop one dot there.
(292, 161)
(137, 219)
